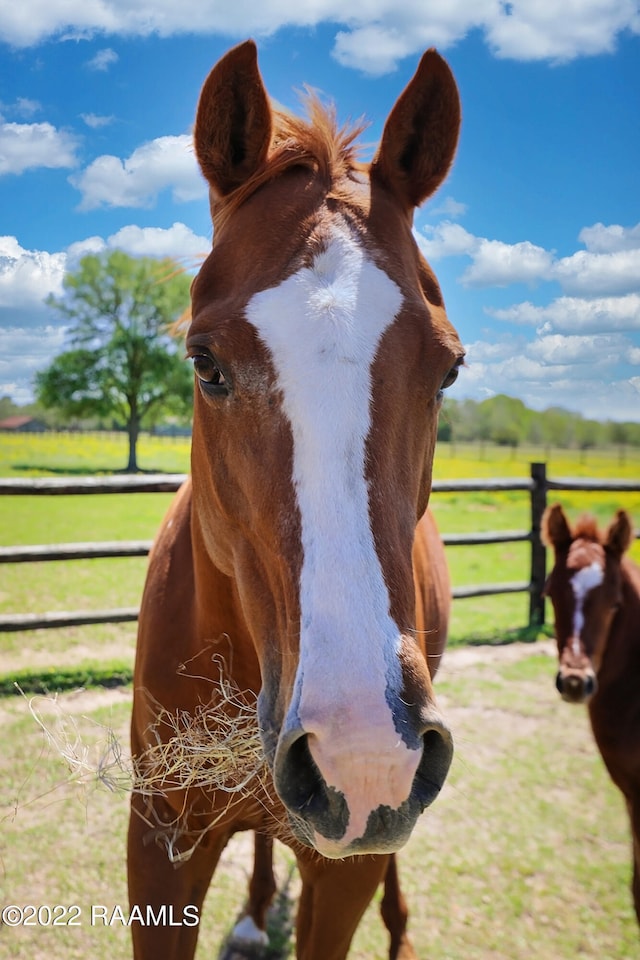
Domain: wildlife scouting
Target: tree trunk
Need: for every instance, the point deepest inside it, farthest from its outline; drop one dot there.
(133, 429)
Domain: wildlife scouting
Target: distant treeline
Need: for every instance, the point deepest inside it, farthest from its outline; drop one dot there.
(54, 420)
(501, 419)
(508, 422)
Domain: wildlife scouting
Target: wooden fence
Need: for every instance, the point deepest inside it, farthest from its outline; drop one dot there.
(537, 485)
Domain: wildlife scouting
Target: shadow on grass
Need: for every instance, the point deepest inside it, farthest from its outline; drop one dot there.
(59, 679)
(42, 468)
(503, 638)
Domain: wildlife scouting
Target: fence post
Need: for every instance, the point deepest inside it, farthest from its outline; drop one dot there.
(538, 552)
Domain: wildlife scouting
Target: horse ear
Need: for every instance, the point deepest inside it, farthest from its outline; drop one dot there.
(620, 534)
(421, 133)
(556, 531)
(233, 121)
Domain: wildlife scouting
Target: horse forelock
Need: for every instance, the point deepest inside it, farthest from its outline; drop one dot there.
(586, 547)
(316, 142)
(586, 528)
(585, 552)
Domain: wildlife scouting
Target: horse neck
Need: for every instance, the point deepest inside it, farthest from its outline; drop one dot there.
(219, 621)
(622, 652)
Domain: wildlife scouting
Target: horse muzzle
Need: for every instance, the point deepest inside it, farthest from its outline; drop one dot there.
(576, 686)
(343, 804)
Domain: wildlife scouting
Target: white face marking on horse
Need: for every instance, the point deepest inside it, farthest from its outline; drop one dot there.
(322, 327)
(582, 583)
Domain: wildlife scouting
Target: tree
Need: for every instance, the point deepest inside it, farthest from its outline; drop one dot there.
(122, 362)
(508, 420)
(619, 434)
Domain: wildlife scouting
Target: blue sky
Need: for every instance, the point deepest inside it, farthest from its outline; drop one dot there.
(535, 236)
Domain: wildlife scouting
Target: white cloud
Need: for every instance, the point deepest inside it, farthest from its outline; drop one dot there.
(447, 240)
(178, 242)
(494, 263)
(585, 374)
(371, 36)
(499, 264)
(585, 273)
(492, 351)
(24, 352)
(25, 146)
(374, 48)
(84, 248)
(449, 207)
(95, 121)
(539, 387)
(26, 108)
(27, 340)
(597, 351)
(602, 239)
(576, 315)
(103, 60)
(165, 163)
(594, 274)
(28, 276)
(546, 30)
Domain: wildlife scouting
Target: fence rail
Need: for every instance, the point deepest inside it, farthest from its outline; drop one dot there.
(537, 485)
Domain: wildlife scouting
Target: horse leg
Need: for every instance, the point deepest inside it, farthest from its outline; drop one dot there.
(173, 893)
(335, 894)
(633, 805)
(395, 913)
(252, 928)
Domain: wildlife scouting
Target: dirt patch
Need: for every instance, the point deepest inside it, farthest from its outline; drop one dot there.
(461, 658)
(42, 659)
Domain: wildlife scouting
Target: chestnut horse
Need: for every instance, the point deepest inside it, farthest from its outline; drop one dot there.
(321, 348)
(595, 592)
(250, 933)
(433, 606)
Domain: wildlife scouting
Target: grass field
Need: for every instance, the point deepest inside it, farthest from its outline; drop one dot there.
(525, 856)
(103, 584)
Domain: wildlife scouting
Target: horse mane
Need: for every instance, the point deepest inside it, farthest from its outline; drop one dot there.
(315, 142)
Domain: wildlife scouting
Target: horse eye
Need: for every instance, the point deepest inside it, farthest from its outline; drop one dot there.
(209, 373)
(451, 377)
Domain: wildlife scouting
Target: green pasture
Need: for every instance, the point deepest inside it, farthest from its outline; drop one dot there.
(88, 453)
(524, 856)
(103, 584)
(100, 584)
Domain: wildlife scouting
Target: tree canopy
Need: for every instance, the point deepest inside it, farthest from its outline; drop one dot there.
(122, 360)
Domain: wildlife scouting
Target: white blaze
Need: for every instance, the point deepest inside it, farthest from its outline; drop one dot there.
(583, 582)
(322, 327)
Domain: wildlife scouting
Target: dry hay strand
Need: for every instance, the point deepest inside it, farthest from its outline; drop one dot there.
(90, 760)
(216, 749)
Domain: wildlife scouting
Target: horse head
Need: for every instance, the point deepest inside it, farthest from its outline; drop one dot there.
(585, 590)
(321, 348)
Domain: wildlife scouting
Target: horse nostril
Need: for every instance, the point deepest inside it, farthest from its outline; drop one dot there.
(559, 683)
(298, 779)
(437, 754)
(589, 686)
(303, 791)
